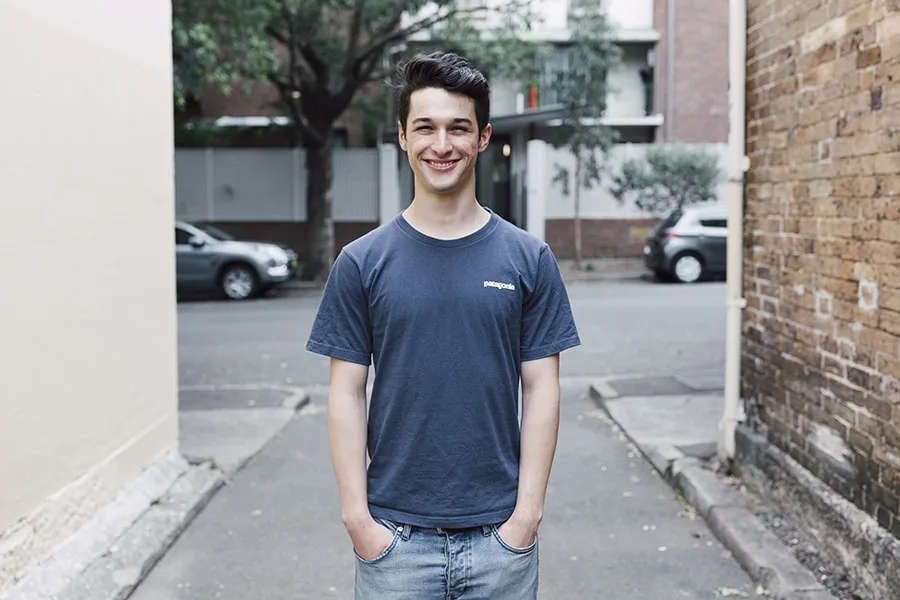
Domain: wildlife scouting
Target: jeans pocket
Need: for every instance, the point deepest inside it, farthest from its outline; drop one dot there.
(396, 530)
(513, 549)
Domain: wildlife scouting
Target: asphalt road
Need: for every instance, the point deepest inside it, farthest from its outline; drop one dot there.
(613, 530)
(625, 327)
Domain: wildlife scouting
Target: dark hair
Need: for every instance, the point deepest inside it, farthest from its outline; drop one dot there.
(447, 71)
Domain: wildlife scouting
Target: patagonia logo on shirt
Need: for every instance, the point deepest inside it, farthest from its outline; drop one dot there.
(499, 286)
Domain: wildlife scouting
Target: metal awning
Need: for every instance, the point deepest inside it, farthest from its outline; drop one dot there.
(535, 116)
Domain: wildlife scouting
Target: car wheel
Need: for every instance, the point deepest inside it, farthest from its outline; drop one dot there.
(688, 268)
(238, 282)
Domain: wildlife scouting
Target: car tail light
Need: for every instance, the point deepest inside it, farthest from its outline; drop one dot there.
(671, 234)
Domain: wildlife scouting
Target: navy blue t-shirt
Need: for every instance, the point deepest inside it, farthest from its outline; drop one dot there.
(445, 323)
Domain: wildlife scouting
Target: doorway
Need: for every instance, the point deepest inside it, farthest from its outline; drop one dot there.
(493, 177)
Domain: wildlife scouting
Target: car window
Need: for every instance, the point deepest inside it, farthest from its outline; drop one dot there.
(214, 232)
(668, 222)
(719, 223)
(182, 236)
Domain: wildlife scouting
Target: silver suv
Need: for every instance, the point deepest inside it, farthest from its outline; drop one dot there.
(689, 245)
(208, 259)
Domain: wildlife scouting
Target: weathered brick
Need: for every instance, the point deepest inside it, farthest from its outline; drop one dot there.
(861, 442)
(880, 253)
(823, 132)
(889, 321)
(889, 365)
(869, 426)
(889, 231)
(879, 341)
(868, 57)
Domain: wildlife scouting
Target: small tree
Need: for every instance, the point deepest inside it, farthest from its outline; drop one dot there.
(667, 179)
(319, 55)
(580, 83)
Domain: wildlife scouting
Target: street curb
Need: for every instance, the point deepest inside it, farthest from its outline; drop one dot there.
(759, 551)
(120, 561)
(105, 559)
(298, 399)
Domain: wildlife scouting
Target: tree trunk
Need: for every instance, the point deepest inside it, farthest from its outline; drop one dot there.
(319, 201)
(577, 198)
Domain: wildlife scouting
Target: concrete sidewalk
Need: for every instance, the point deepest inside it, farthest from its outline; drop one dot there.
(674, 422)
(613, 529)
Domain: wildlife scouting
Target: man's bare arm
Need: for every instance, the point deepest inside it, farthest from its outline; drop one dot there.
(540, 427)
(347, 436)
(347, 441)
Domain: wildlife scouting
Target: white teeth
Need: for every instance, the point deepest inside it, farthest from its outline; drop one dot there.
(441, 165)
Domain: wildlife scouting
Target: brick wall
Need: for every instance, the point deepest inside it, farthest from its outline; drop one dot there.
(700, 85)
(600, 238)
(821, 356)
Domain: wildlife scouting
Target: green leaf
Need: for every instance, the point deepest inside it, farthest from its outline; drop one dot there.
(667, 178)
(576, 76)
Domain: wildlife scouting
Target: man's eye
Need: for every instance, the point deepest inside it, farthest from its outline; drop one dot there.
(423, 129)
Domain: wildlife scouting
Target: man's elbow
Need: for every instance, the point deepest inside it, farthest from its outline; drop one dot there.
(541, 376)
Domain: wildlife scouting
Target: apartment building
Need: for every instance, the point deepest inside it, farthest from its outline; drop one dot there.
(671, 87)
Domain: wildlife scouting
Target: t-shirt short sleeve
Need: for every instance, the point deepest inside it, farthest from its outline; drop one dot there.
(548, 326)
(341, 328)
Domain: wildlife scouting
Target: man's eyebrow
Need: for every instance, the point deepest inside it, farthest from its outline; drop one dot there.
(456, 120)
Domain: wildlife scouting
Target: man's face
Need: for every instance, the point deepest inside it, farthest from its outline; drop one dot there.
(442, 139)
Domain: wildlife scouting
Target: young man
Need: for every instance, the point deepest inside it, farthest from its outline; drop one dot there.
(453, 307)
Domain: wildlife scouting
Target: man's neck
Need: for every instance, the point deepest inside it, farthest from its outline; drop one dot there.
(446, 217)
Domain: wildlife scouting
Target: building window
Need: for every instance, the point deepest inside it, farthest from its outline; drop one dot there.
(647, 79)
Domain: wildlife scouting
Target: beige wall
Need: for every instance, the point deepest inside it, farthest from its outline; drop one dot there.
(88, 382)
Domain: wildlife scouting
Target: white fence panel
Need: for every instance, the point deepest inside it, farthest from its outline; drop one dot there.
(251, 184)
(356, 184)
(192, 201)
(599, 203)
(269, 184)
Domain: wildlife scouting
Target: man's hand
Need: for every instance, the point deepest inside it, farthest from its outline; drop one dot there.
(370, 538)
(519, 532)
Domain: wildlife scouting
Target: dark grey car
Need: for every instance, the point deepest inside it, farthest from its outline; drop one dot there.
(208, 259)
(689, 245)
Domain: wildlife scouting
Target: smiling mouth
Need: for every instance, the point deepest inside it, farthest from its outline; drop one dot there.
(441, 165)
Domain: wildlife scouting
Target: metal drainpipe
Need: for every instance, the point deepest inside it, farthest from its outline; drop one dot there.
(670, 69)
(738, 164)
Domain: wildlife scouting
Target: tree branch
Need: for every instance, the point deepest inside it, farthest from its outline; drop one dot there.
(392, 34)
(277, 35)
(318, 66)
(355, 29)
(286, 90)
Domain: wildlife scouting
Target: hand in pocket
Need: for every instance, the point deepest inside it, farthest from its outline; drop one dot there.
(517, 535)
(371, 540)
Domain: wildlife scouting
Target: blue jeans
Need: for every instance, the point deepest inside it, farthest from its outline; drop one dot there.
(438, 564)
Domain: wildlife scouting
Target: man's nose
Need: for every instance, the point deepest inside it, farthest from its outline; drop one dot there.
(441, 144)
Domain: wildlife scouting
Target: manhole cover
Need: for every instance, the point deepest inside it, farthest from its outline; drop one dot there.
(649, 386)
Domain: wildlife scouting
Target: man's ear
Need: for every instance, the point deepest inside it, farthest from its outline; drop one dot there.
(401, 136)
(485, 138)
